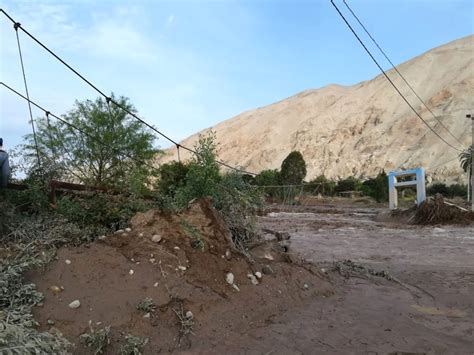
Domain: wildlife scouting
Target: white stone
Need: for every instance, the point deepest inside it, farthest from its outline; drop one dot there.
(236, 287)
(156, 238)
(258, 274)
(119, 231)
(182, 268)
(102, 237)
(141, 235)
(189, 315)
(152, 260)
(131, 272)
(67, 261)
(75, 304)
(305, 286)
(147, 315)
(253, 279)
(229, 278)
(155, 284)
(128, 230)
(176, 248)
(124, 234)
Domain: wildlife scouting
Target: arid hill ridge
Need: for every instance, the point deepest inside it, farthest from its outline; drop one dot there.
(360, 129)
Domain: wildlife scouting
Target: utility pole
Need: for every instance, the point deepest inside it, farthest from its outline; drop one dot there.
(472, 162)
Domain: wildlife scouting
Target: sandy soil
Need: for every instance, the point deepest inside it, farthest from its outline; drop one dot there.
(423, 303)
(430, 307)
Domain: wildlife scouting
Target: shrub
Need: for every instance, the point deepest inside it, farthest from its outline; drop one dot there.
(293, 169)
(458, 190)
(437, 188)
(97, 340)
(376, 188)
(133, 345)
(349, 184)
(171, 176)
(321, 185)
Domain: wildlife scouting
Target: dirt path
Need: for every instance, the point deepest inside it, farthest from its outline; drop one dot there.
(430, 309)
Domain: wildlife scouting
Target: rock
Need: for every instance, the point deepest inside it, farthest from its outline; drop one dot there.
(284, 246)
(131, 272)
(141, 235)
(229, 278)
(253, 279)
(282, 236)
(268, 256)
(74, 304)
(124, 234)
(50, 322)
(258, 274)
(119, 231)
(55, 289)
(156, 238)
(102, 237)
(189, 315)
(176, 248)
(236, 287)
(147, 315)
(266, 269)
(228, 254)
(155, 284)
(39, 304)
(182, 268)
(67, 261)
(128, 230)
(152, 260)
(323, 270)
(306, 286)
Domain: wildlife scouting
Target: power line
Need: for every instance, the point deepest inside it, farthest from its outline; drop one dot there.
(110, 99)
(398, 72)
(388, 78)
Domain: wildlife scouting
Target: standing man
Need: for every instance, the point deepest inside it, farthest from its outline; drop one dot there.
(4, 166)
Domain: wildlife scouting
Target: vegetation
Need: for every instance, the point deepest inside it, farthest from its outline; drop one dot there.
(146, 305)
(321, 186)
(455, 190)
(376, 188)
(293, 169)
(349, 184)
(97, 340)
(133, 345)
(113, 151)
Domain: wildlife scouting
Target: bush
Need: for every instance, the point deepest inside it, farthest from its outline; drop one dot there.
(293, 169)
(437, 188)
(457, 190)
(321, 185)
(171, 176)
(376, 188)
(349, 184)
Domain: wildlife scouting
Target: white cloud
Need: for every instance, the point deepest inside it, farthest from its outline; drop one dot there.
(170, 19)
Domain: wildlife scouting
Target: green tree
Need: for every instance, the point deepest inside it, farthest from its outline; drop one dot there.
(293, 169)
(465, 159)
(268, 178)
(115, 148)
(349, 184)
(171, 176)
(321, 185)
(377, 188)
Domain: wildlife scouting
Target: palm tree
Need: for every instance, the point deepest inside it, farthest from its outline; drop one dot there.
(466, 159)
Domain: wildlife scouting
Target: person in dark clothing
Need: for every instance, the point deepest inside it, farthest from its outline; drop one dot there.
(4, 166)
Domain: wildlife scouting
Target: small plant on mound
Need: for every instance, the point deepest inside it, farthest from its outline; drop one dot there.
(133, 345)
(97, 340)
(192, 232)
(146, 305)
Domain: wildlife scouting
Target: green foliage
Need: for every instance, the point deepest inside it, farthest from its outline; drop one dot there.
(268, 178)
(321, 185)
(68, 154)
(203, 175)
(454, 190)
(376, 188)
(146, 305)
(465, 159)
(133, 345)
(96, 340)
(293, 169)
(349, 184)
(171, 176)
(437, 188)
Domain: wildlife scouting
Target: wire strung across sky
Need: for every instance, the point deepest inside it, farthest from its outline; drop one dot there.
(390, 80)
(109, 99)
(400, 74)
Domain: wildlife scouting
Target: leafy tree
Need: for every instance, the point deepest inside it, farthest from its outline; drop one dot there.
(438, 188)
(465, 159)
(293, 169)
(377, 188)
(457, 190)
(114, 149)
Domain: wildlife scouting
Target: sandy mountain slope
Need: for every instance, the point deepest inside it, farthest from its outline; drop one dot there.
(360, 129)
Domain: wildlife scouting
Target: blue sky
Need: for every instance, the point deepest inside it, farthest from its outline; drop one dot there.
(187, 65)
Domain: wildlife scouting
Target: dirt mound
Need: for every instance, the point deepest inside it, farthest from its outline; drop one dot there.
(181, 263)
(435, 210)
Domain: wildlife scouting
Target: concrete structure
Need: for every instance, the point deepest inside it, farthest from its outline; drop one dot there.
(418, 180)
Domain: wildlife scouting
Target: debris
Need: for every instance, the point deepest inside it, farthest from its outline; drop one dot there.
(229, 278)
(74, 304)
(236, 287)
(152, 260)
(268, 256)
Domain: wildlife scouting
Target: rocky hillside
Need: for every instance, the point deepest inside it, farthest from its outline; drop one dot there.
(360, 129)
